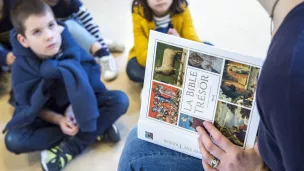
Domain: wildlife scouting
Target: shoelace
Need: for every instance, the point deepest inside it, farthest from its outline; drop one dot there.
(108, 65)
(61, 158)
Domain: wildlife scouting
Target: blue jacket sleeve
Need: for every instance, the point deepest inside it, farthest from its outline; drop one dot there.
(29, 92)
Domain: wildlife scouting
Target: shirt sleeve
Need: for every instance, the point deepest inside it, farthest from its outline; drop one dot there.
(288, 124)
(86, 18)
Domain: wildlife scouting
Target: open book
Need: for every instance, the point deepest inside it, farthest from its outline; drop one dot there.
(187, 83)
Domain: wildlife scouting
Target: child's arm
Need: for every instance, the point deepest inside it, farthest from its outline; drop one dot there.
(140, 40)
(188, 30)
(66, 126)
(51, 116)
(86, 18)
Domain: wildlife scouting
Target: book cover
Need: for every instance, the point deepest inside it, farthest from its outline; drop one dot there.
(187, 83)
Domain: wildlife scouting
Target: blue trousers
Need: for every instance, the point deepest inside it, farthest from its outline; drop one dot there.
(135, 71)
(139, 155)
(41, 135)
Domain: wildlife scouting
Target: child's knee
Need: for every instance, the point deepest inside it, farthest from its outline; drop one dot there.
(122, 101)
(71, 24)
(13, 143)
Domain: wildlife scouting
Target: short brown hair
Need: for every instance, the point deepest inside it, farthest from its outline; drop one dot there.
(23, 9)
(176, 7)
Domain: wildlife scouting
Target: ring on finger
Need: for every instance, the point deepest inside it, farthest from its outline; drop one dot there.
(214, 162)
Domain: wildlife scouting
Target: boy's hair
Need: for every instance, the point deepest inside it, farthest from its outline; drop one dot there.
(176, 7)
(23, 9)
(67, 3)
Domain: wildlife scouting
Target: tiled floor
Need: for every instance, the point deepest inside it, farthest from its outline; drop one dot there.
(237, 25)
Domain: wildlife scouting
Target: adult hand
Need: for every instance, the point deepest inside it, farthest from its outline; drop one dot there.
(231, 157)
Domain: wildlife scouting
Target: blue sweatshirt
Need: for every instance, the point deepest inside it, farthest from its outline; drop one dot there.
(280, 97)
(71, 77)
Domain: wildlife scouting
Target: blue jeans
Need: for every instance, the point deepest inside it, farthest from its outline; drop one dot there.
(80, 34)
(139, 155)
(41, 135)
(135, 71)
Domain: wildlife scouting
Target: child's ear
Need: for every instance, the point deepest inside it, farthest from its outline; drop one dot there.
(23, 41)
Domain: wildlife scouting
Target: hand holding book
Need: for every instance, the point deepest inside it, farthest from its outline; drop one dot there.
(230, 156)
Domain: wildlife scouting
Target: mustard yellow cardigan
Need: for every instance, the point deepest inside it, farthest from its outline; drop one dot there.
(141, 28)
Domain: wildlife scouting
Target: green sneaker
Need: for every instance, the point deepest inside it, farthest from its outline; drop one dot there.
(111, 135)
(54, 159)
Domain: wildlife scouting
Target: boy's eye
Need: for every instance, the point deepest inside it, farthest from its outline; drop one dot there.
(51, 25)
(36, 32)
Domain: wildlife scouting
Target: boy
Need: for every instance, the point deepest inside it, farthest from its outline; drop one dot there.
(61, 105)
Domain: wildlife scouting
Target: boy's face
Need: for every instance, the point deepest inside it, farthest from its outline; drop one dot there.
(42, 34)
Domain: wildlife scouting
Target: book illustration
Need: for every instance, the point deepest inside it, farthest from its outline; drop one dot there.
(170, 64)
(239, 83)
(232, 121)
(189, 122)
(164, 103)
(205, 62)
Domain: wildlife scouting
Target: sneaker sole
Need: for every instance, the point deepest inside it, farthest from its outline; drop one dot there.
(43, 159)
(118, 138)
(108, 80)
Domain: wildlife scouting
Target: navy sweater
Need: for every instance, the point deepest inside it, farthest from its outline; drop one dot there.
(280, 97)
(72, 76)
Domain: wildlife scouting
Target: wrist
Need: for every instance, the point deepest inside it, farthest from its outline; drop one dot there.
(58, 118)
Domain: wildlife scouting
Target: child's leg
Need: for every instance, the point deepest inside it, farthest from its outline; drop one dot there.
(112, 104)
(91, 45)
(135, 71)
(82, 37)
(35, 137)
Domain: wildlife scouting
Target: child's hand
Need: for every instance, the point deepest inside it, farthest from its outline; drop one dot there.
(69, 114)
(173, 32)
(10, 58)
(68, 127)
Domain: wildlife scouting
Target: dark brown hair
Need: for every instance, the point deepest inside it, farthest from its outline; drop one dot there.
(22, 9)
(67, 3)
(176, 7)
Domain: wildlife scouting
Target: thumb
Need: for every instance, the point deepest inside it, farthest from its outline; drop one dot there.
(256, 148)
